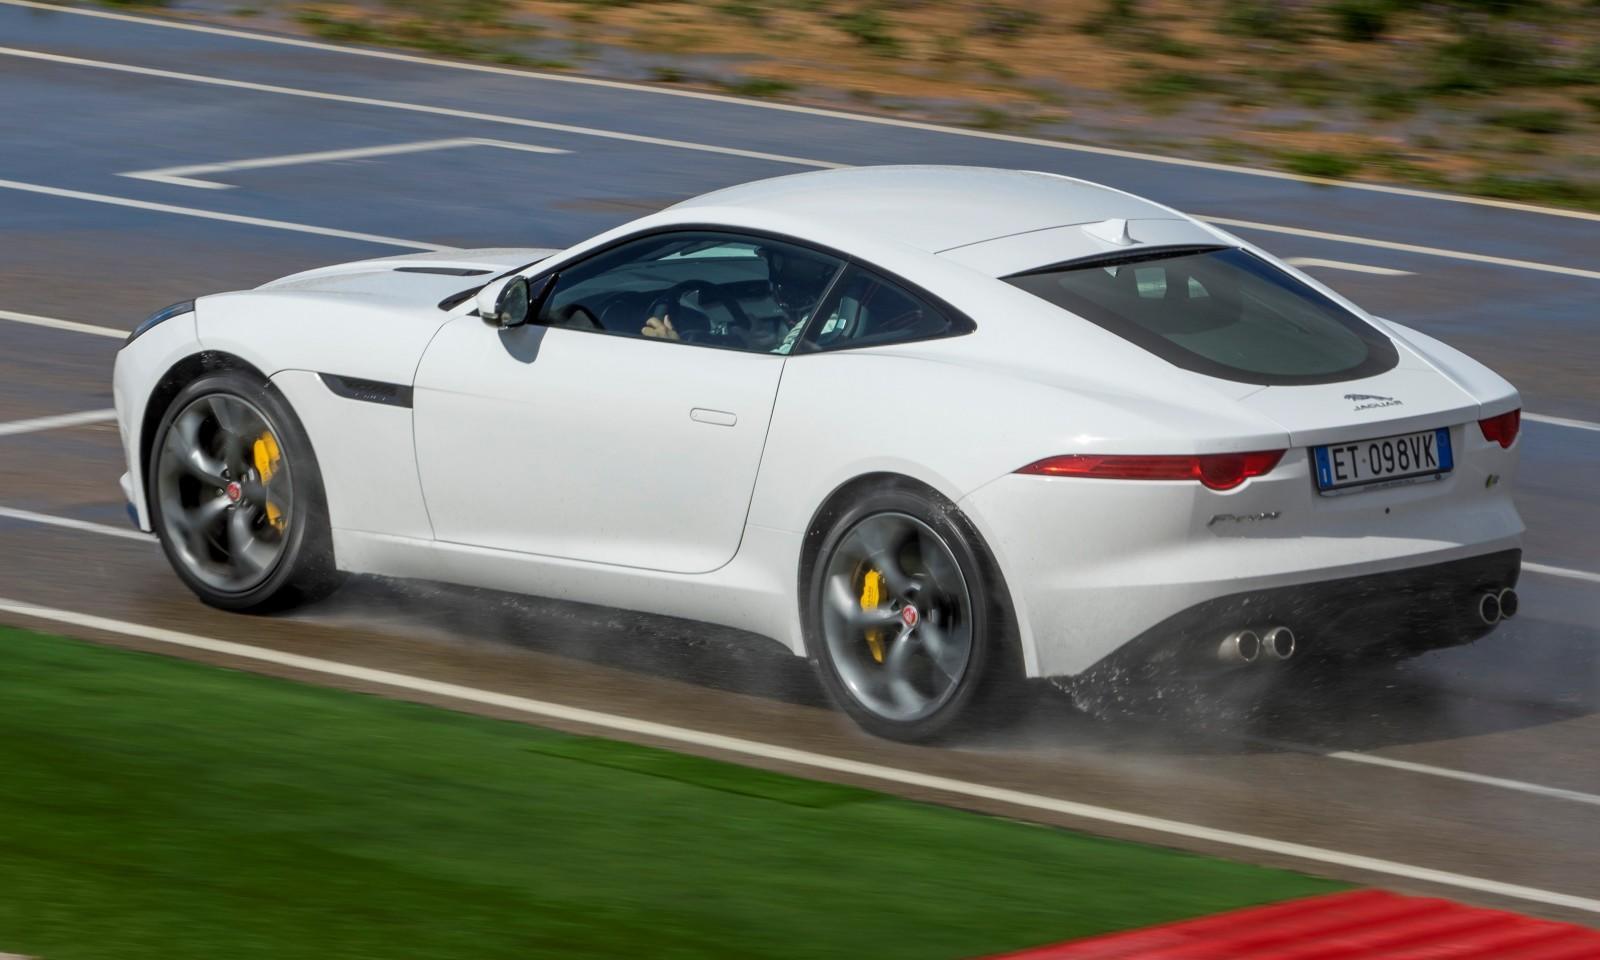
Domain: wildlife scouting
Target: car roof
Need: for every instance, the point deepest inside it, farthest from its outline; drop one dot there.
(932, 208)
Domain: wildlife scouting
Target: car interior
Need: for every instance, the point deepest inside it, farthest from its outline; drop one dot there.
(716, 290)
(736, 292)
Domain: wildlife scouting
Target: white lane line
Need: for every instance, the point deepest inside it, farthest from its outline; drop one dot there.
(54, 422)
(415, 108)
(1428, 769)
(1562, 421)
(1065, 145)
(1401, 247)
(214, 215)
(88, 527)
(105, 530)
(804, 758)
(72, 325)
(1564, 572)
(1522, 786)
(658, 141)
(1352, 267)
(1347, 755)
(183, 176)
(724, 151)
(733, 152)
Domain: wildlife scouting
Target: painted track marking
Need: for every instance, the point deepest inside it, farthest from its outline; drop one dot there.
(1564, 572)
(414, 108)
(1400, 247)
(84, 526)
(1428, 769)
(1065, 145)
(1562, 421)
(1352, 267)
(804, 758)
(183, 176)
(70, 325)
(36, 424)
(214, 215)
(1558, 793)
(711, 148)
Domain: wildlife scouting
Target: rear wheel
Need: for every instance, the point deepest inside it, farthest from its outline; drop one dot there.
(903, 617)
(236, 497)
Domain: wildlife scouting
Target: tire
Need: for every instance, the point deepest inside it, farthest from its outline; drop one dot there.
(245, 530)
(900, 684)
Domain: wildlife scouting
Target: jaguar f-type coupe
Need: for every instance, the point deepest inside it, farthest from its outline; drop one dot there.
(935, 428)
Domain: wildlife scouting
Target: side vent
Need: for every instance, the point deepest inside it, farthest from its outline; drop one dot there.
(368, 391)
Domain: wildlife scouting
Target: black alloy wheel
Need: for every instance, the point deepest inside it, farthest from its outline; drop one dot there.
(236, 497)
(904, 617)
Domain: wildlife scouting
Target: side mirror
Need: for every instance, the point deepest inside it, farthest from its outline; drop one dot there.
(505, 302)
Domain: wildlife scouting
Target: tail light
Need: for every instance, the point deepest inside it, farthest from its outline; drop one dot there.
(1219, 471)
(1502, 429)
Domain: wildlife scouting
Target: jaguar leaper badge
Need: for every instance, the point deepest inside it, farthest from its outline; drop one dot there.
(1367, 401)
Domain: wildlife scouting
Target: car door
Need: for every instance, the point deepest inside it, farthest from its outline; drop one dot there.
(580, 437)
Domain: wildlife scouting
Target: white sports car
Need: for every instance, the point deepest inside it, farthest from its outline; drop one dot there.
(932, 427)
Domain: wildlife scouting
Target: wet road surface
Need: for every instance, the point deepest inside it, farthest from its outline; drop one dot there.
(1482, 761)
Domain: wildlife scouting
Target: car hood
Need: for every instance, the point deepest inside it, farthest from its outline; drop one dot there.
(369, 319)
(416, 278)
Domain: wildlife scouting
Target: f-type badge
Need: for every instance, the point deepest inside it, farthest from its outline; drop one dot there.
(1235, 518)
(1367, 401)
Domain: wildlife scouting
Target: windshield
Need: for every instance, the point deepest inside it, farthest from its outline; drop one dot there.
(1219, 311)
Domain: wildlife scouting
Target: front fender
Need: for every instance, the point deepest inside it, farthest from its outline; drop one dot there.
(136, 376)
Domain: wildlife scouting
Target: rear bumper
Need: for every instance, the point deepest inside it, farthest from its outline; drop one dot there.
(1093, 564)
(1404, 611)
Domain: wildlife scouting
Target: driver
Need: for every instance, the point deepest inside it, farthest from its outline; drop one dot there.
(797, 283)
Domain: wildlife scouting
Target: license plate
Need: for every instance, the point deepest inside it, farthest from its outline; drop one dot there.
(1386, 461)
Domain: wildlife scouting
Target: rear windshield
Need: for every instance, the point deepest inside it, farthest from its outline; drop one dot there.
(1218, 311)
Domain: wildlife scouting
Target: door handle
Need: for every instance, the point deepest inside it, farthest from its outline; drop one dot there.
(720, 418)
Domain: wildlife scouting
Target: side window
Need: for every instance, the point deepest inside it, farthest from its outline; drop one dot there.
(710, 288)
(867, 310)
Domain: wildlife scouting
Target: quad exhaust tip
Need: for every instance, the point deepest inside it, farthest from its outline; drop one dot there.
(1240, 646)
(1489, 608)
(1248, 646)
(1278, 643)
(1508, 603)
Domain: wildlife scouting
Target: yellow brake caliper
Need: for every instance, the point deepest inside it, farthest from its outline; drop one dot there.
(267, 457)
(871, 596)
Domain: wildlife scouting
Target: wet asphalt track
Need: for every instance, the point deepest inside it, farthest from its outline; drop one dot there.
(1520, 705)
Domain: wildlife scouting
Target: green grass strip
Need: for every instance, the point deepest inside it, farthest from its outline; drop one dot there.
(158, 808)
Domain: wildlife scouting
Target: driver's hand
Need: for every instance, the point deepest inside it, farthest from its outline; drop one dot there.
(660, 327)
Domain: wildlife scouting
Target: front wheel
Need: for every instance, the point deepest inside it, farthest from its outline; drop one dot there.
(236, 497)
(903, 619)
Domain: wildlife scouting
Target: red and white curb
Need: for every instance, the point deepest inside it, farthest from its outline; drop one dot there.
(1366, 924)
